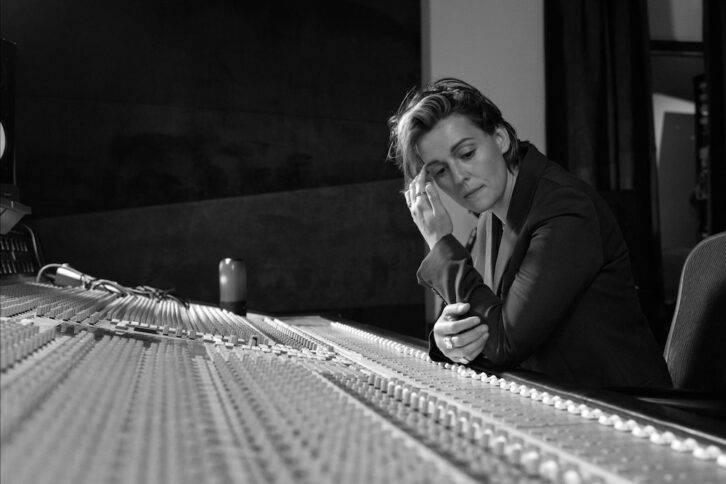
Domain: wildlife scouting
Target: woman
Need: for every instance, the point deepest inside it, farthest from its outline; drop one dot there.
(548, 286)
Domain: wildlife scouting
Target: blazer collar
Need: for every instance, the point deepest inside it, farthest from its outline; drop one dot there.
(531, 166)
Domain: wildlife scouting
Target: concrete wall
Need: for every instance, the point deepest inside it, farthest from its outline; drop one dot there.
(679, 20)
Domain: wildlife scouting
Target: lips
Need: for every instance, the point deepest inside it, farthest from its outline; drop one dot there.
(473, 192)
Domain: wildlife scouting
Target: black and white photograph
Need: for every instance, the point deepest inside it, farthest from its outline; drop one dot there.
(363, 241)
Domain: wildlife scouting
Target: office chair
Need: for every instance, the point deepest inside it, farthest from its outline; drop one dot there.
(696, 347)
(695, 350)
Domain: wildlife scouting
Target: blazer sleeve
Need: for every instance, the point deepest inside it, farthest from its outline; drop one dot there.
(563, 255)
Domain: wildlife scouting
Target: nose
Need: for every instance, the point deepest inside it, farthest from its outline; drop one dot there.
(458, 173)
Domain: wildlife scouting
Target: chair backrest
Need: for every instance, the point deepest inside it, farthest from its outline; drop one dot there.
(696, 346)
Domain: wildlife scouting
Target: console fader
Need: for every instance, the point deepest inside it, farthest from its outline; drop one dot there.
(98, 387)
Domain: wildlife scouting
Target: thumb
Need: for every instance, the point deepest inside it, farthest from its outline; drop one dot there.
(462, 307)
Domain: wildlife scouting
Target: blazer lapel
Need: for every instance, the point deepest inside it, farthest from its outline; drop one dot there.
(488, 274)
(505, 252)
(531, 167)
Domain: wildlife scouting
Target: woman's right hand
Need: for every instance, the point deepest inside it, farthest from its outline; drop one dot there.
(460, 339)
(427, 209)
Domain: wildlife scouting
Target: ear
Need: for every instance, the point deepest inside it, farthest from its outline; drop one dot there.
(501, 135)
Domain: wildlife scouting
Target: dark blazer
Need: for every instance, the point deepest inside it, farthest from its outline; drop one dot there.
(561, 298)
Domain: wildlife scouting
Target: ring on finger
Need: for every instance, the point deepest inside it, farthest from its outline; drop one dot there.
(448, 344)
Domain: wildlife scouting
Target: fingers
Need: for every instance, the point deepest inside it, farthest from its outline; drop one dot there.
(473, 349)
(417, 190)
(432, 225)
(451, 322)
(461, 340)
(450, 328)
(463, 324)
(468, 352)
(420, 181)
(433, 196)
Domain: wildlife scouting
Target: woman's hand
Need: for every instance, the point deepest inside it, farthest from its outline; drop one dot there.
(460, 340)
(427, 210)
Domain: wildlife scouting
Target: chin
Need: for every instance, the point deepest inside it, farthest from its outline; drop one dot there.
(479, 206)
(474, 208)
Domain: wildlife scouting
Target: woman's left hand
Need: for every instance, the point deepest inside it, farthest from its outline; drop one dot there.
(459, 337)
(427, 210)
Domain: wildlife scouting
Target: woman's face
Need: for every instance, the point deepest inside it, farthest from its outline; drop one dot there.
(466, 162)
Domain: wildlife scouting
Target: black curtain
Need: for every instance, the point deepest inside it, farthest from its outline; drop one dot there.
(599, 122)
(714, 43)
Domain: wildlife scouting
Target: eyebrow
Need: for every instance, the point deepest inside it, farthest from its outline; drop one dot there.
(453, 148)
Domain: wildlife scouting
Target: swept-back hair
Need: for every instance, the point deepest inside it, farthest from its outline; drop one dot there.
(422, 108)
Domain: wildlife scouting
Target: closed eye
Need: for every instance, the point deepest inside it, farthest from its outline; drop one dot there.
(467, 155)
(439, 171)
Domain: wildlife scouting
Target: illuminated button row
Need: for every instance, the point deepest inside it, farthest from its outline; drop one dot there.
(482, 449)
(638, 430)
(319, 431)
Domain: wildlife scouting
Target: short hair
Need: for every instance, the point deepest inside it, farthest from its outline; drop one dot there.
(422, 108)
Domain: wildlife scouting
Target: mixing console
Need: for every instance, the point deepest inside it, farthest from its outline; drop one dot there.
(99, 387)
